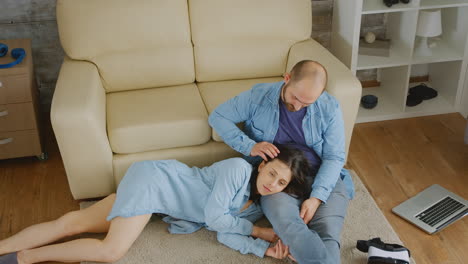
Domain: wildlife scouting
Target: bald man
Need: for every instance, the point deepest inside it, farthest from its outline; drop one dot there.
(297, 112)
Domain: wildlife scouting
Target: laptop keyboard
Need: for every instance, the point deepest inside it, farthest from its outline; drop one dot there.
(439, 211)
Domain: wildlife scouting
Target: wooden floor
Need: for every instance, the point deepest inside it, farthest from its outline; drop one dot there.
(395, 160)
(399, 158)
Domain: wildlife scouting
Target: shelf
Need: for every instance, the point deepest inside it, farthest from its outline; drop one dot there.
(402, 39)
(391, 95)
(442, 52)
(429, 4)
(377, 6)
(445, 99)
(437, 105)
(446, 68)
(369, 62)
(386, 107)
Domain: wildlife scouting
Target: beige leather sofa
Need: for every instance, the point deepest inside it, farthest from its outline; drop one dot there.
(141, 77)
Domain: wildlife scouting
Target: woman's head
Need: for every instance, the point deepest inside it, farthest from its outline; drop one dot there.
(285, 173)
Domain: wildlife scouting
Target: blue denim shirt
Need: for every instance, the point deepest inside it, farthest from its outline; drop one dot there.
(259, 109)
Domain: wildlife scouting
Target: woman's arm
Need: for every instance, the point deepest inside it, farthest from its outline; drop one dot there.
(244, 244)
(259, 247)
(265, 233)
(231, 176)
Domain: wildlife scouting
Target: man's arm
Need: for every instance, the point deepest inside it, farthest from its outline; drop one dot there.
(224, 118)
(333, 157)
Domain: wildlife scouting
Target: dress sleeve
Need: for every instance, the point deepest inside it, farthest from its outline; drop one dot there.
(231, 177)
(244, 244)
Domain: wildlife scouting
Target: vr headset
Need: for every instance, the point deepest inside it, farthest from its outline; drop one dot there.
(17, 54)
(383, 253)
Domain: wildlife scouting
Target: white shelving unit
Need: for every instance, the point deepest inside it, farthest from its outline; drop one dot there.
(446, 67)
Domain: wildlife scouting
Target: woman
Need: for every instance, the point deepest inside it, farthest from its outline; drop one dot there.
(222, 197)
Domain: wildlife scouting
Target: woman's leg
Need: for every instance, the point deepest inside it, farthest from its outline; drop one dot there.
(91, 219)
(122, 233)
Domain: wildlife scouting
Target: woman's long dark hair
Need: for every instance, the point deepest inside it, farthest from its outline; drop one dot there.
(300, 168)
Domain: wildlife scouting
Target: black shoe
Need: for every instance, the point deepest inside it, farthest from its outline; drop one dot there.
(423, 91)
(389, 3)
(412, 100)
(10, 258)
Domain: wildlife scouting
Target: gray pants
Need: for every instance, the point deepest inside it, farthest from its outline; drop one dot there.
(319, 241)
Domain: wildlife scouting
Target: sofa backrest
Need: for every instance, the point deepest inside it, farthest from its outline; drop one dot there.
(135, 44)
(240, 39)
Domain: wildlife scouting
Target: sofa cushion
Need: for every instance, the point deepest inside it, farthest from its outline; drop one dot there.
(216, 93)
(159, 118)
(134, 44)
(250, 39)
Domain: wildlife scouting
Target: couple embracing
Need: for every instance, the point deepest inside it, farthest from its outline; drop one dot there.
(294, 148)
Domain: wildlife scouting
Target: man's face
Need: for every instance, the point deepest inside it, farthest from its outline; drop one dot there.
(300, 94)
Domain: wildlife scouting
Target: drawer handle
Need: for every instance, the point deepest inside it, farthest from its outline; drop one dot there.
(6, 141)
(1, 84)
(4, 113)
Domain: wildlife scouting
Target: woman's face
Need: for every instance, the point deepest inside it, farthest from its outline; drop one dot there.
(273, 177)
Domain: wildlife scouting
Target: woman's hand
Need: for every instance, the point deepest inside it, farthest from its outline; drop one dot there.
(265, 233)
(279, 251)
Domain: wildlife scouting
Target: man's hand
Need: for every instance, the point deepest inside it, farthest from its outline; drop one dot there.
(265, 233)
(279, 251)
(308, 209)
(263, 149)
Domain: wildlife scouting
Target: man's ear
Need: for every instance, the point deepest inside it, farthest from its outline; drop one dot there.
(287, 78)
(261, 165)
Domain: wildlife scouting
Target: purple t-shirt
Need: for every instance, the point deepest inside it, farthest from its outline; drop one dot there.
(290, 133)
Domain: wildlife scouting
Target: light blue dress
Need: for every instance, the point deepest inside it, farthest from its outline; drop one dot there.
(210, 197)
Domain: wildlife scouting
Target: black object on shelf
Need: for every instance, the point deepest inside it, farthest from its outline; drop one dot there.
(389, 3)
(423, 91)
(412, 100)
(369, 101)
(419, 93)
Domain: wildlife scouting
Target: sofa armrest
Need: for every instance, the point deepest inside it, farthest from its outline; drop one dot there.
(78, 118)
(341, 82)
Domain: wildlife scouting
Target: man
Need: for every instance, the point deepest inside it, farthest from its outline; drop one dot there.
(296, 112)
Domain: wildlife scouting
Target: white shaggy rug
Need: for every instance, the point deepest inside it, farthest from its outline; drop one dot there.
(155, 245)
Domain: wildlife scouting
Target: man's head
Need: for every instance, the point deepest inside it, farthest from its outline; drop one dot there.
(304, 84)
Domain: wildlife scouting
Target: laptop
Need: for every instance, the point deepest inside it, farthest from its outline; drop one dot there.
(433, 209)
